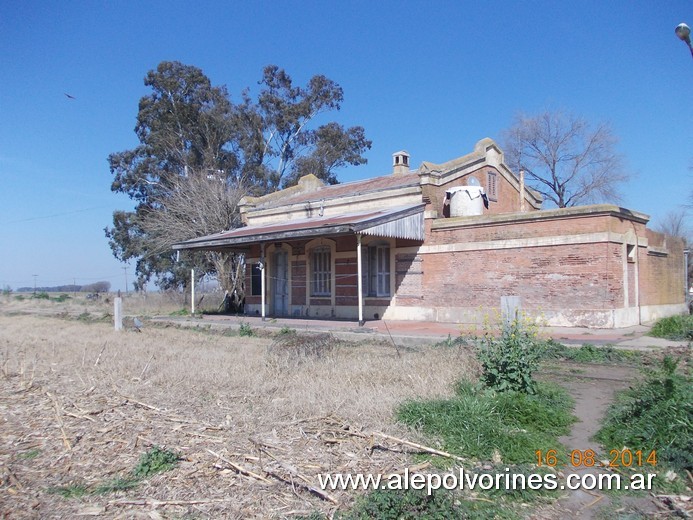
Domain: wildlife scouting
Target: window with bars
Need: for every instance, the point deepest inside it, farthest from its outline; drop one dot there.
(492, 186)
(321, 268)
(378, 270)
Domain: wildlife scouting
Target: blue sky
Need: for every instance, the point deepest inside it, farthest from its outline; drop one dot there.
(429, 77)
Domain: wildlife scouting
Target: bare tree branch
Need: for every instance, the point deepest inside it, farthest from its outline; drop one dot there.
(566, 160)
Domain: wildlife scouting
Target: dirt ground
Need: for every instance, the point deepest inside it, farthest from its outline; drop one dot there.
(593, 387)
(80, 404)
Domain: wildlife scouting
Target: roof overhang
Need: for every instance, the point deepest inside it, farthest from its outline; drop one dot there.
(398, 222)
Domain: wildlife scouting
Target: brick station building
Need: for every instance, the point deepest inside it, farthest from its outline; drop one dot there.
(449, 242)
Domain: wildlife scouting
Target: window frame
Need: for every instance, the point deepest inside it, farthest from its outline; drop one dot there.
(321, 272)
(255, 279)
(379, 270)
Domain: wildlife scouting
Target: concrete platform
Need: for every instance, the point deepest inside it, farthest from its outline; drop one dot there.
(411, 333)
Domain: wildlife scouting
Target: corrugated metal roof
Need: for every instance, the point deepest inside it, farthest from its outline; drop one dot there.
(411, 226)
(399, 222)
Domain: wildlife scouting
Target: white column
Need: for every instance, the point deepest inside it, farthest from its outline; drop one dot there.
(359, 280)
(262, 279)
(118, 313)
(192, 290)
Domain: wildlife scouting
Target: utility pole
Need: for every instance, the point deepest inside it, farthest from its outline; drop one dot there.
(35, 276)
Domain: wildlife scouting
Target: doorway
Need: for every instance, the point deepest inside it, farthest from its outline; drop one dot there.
(280, 283)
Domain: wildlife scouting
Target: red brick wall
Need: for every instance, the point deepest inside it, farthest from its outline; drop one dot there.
(298, 282)
(583, 276)
(661, 275)
(409, 277)
(346, 281)
(560, 276)
(508, 195)
(528, 229)
(346, 243)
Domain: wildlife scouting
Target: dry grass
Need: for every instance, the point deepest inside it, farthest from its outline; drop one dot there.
(80, 403)
(137, 304)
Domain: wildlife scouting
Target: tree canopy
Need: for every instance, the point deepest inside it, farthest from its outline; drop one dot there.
(565, 158)
(199, 153)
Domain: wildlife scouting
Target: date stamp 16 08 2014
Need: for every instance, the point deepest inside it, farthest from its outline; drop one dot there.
(624, 458)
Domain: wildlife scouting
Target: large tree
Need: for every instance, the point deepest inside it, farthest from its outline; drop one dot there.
(199, 153)
(565, 158)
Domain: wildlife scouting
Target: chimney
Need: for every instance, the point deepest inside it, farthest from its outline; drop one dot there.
(400, 163)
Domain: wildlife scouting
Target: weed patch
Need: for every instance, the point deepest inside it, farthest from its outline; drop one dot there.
(286, 330)
(483, 424)
(674, 328)
(71, 491)
(656, 414)
(589, 353)
(417, 504)
(29, 455)
(156, 460)
(245, 330)
(117, 484)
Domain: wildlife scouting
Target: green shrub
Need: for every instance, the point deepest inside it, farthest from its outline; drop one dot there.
(246, 330)
(656, 414)
(674, 328)
(509, 361)
(156, 460)
(63, 297)
(41, 296)
(286, 331)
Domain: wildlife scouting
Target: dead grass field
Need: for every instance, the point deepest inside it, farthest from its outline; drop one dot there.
(80, 403)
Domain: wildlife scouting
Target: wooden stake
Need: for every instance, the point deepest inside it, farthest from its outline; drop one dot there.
(146, 366)
(66, 442)
(239, 468)
(157, 503)
(294, 472)
(421, 447)
(98, 358)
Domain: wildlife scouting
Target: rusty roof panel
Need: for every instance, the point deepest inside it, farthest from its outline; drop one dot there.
(368, 222)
